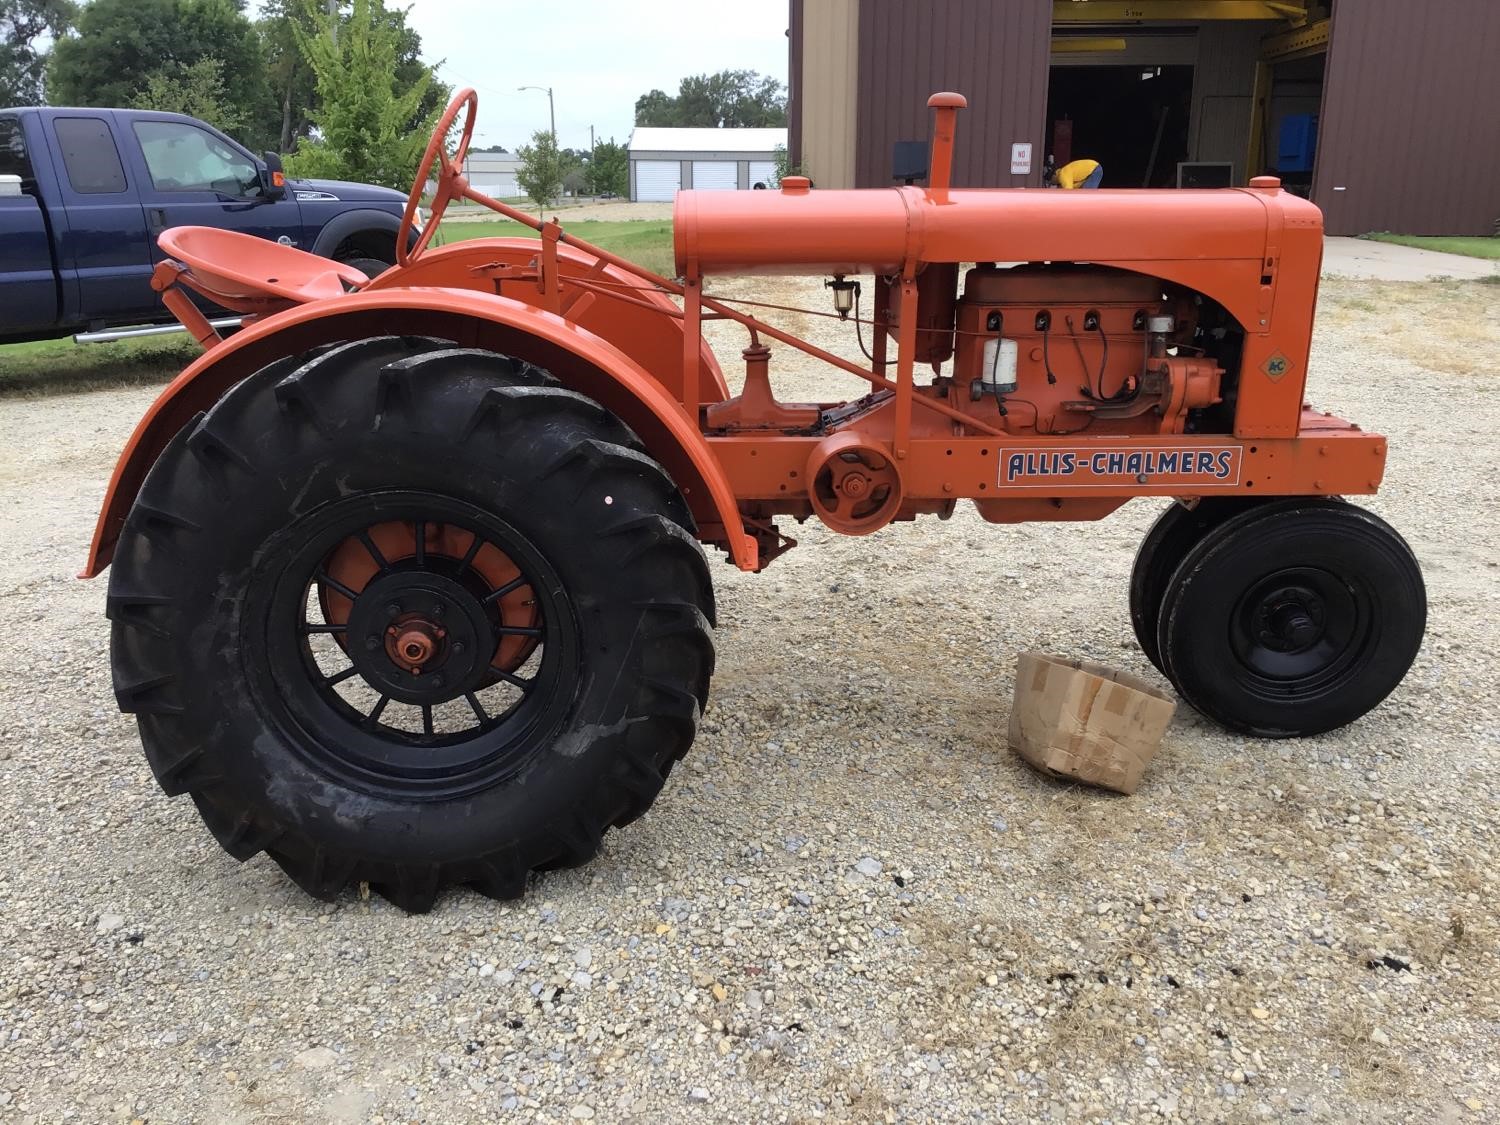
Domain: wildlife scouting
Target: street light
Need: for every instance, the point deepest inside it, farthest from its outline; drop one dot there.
(551, 108)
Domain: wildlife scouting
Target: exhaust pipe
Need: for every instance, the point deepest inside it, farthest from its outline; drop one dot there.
(114, 334)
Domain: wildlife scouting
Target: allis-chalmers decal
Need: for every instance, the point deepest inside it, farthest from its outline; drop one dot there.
(1100, 466)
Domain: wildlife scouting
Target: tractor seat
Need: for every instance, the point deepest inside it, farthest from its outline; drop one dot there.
(246, 274)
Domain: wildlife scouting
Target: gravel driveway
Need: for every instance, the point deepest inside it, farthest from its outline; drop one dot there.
(851, 902)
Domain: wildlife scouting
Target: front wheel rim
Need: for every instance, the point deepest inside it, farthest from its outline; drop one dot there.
(1301, 631)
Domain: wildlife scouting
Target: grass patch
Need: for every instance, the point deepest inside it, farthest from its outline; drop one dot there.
(1471, 246)
(1441, 325)
(648, 244)
(51, 367)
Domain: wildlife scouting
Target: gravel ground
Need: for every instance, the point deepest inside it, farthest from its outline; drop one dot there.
(852, 902)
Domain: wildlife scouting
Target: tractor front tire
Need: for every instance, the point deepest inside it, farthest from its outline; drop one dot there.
(411, 615)
(1175, 532)
(1292, 618)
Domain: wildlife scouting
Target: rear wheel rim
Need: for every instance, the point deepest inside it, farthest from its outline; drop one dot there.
(425, 673)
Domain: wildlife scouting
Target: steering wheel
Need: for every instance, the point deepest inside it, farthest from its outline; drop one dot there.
(450, 180)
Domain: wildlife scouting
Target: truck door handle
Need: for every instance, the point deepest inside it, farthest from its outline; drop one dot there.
(157, 217)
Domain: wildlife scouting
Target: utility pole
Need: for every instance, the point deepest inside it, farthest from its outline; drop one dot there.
(551, 108)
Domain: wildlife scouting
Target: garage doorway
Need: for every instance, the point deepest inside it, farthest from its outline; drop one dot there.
(657, 181)
(1132, 119)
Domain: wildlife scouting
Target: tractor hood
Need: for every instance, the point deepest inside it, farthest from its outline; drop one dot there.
(886, 230)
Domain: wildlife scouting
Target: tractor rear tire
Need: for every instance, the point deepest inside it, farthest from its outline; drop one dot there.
(1292, 618)
(438, 527)
(1174, 533)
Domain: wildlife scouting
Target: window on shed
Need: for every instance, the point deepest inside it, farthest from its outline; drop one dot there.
(90, 156)
(13, 158)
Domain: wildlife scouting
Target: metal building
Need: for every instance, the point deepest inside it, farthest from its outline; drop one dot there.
(1383, 112)
(493, 173)
(664, 160)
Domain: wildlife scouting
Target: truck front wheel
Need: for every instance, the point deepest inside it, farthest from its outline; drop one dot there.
(409, 615)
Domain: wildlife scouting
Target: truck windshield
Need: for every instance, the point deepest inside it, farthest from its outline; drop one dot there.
(183, 157)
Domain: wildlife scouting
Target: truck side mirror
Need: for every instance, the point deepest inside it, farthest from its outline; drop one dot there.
(272, 177)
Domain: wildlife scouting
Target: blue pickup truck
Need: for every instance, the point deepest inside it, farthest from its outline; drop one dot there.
(85, 192)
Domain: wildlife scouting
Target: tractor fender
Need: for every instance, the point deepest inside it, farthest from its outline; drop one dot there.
(350, 223)
(583, 361)
(611, 309)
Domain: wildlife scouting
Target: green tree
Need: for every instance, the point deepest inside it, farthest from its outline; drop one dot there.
(22, 64)
(121, 44)
(370, 122)
(609, 170)
(730, 99)
(542, 168)
(294, 86)
(291, 76)
(196, 90)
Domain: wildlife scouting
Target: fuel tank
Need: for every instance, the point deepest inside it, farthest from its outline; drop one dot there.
(798, 230)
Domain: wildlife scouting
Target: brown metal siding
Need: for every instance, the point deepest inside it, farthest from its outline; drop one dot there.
(995, 54)
(1410, 125)
(794, 83)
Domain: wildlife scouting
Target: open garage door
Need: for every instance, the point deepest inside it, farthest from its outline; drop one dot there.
(715, 175)
(657, 181)
(763, 172)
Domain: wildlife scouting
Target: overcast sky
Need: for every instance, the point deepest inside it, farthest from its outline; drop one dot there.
(597, 55)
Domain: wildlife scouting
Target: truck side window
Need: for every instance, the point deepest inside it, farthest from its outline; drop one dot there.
(183, 157)
(89, 154)
(13, 158)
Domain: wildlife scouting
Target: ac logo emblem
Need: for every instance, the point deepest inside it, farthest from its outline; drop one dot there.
(1276, 366)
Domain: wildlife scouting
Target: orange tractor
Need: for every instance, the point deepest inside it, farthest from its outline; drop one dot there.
(408, 581)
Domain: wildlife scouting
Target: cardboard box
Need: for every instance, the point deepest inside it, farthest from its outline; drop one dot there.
(1081, 721)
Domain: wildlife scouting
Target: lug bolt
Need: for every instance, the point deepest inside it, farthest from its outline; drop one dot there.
(393, 610)
(458, 648)
(372, 642)
(393, 630)
(437, 681)
(438, 609)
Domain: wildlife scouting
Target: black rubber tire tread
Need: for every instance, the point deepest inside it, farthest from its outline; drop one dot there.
(1173, 534)
(1192, 635)
(370, 267)
(281, 443)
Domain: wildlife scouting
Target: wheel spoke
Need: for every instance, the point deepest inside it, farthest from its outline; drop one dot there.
(479, 712)
(512, 678)
(373, 718)
(328, 580)
(518, 631)
(340, 677)
(471, 552)
(427, 718)
(421, 532)
(510, 587)
(374, 551)
(309, 627)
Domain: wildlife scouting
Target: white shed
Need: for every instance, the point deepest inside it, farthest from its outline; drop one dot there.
(493, 173)
(662, 161)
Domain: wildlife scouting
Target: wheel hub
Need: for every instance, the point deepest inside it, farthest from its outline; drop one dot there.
(1290, 619)
(420, 637)
(413, 642)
